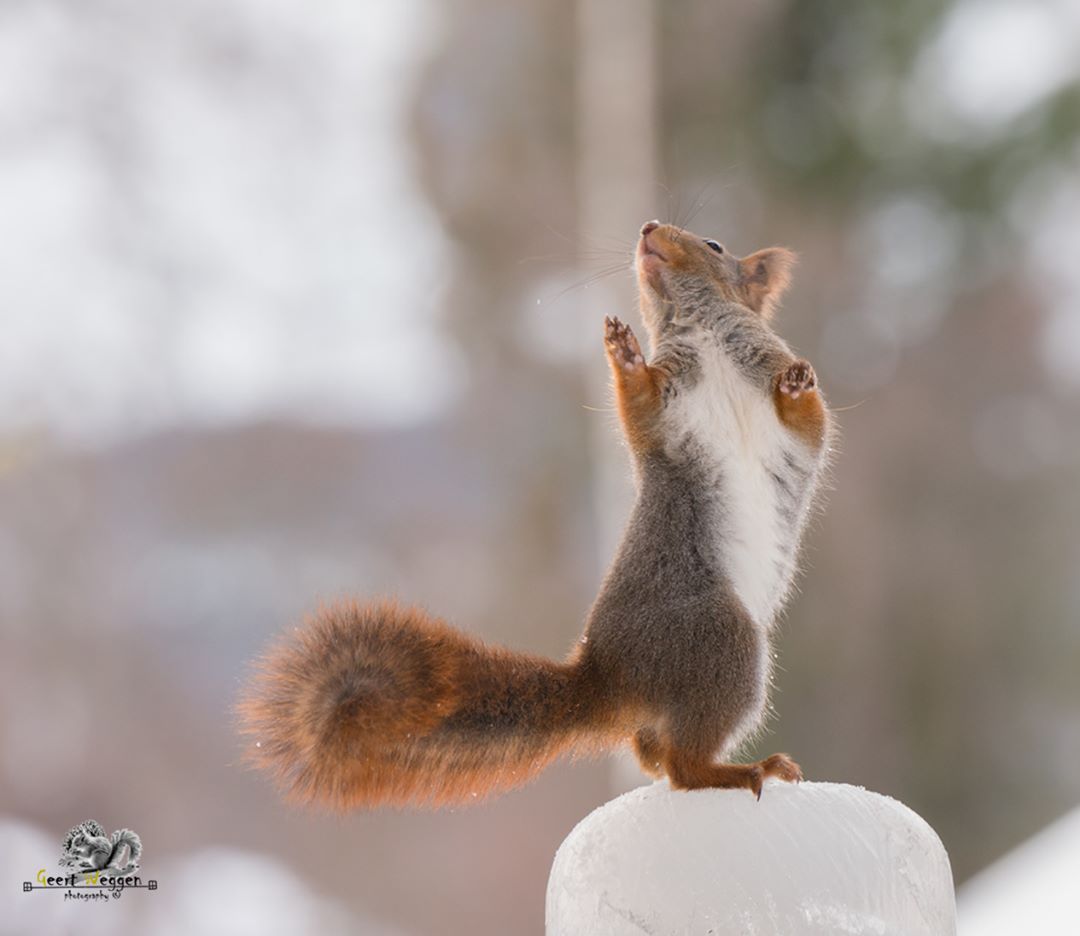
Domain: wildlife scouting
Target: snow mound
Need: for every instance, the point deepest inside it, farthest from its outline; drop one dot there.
(812, 858)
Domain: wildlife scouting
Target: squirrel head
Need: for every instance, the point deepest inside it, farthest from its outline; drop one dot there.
(684, 276)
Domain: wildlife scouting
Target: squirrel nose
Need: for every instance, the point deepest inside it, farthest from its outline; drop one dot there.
(648, 227)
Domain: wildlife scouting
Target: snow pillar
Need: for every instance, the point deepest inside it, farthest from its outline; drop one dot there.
(812, 858)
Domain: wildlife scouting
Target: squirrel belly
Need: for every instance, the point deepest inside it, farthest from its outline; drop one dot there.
(758, 479)
(376, 704)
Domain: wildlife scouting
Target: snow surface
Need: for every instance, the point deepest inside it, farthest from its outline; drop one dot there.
(812, 858)
(1031, 890)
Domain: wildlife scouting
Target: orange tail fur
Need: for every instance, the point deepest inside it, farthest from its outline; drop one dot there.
(370, 705)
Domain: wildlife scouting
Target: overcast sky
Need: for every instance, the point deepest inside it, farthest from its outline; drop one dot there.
(208, 215)
(208, 211)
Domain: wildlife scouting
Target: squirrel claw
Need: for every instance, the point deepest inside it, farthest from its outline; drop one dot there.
(757, 781)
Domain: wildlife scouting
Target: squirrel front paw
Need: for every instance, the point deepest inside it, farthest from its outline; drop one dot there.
(799, 378)
(622, 346)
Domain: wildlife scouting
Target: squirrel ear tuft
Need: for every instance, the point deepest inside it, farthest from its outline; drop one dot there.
(765, 275)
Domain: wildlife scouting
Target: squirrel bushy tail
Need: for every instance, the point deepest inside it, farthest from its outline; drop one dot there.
(377, 704)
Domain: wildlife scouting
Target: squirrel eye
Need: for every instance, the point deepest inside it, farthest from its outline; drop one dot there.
(715, 246)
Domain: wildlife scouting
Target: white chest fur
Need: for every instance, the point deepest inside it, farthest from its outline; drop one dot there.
(737, 433)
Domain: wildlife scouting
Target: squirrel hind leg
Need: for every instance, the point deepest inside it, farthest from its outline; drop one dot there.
(688, 771)
(691, 771)
(651, 752)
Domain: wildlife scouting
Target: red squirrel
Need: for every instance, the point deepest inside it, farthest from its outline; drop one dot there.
(378, 704)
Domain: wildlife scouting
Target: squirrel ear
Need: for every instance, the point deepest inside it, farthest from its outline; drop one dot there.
(765, 276)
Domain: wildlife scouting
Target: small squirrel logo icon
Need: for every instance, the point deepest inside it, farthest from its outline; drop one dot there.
(87, 848)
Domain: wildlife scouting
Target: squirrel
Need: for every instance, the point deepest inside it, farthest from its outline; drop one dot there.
(381, 704)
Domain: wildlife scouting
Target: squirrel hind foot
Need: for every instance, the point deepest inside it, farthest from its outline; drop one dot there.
(782, 767)
(688, 772)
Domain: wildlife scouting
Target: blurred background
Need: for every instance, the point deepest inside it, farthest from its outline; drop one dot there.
(306, 300)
